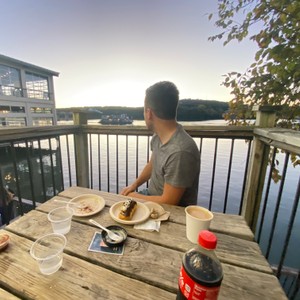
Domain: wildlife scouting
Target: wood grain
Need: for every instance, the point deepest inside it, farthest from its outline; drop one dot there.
(245, 253)
(148, 269)
(132, 263)
(281, 138)
(77, 278)
(142, 261)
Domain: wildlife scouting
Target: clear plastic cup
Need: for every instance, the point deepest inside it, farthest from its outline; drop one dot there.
(48, 252)
(60, 219)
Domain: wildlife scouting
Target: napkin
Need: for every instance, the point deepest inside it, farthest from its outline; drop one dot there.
(149, 225)
(157, 214)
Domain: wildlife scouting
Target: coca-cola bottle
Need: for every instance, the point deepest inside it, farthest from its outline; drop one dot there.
(201, 272)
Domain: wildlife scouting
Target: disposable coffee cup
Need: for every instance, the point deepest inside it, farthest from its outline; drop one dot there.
(197, 218)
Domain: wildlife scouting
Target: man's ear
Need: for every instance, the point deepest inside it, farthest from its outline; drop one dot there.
(149, 113)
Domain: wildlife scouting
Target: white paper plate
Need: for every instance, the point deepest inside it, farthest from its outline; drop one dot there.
(89, 205)
(141, 214)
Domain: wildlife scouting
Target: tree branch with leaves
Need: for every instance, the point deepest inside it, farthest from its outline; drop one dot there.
(274, 76)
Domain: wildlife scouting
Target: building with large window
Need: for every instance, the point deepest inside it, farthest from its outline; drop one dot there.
(26, 94)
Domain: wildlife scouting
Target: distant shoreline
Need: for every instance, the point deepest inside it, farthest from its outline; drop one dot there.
(142, 123)
(188, 110)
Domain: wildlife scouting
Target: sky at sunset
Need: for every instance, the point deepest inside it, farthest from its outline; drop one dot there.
(109, 51)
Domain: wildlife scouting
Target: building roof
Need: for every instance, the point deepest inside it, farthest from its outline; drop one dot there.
(27, 65)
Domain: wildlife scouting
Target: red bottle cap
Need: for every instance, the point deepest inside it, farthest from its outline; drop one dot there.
(207, 239)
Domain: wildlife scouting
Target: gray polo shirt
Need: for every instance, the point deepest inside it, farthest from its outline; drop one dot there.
(177, 163)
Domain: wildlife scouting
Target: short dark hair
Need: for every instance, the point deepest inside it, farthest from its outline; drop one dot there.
(162, 98)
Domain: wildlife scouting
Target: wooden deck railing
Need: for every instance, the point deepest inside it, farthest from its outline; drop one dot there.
(88, 155)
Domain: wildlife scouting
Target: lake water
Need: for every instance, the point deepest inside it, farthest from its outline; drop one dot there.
(113, 180)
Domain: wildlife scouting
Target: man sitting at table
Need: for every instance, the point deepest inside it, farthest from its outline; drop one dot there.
(174, 165)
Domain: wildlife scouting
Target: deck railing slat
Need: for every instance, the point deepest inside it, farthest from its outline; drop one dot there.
(126, 162)
(265, 201)
(52, 167)
(289, 231)
(14, 158)
(228, 176)
(245, 175)
(99, 161)
(108, 163)
(137, 157)
(213, 174)
(117, 163)
(4, 217)
(277, 204)
(30, 173)
(69, 162)
(42, 169)
(60, 160)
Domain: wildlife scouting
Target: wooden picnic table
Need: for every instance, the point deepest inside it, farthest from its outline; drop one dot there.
(148, 269)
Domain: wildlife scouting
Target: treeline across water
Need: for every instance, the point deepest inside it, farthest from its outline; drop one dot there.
(188, 110)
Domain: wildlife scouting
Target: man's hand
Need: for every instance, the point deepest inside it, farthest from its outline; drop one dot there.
(144, 176)
(171, 194)
(128, 189)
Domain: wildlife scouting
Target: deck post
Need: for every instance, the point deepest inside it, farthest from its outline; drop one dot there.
(265, 117)
(81, 149)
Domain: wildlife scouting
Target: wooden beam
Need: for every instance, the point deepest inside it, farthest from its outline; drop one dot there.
(257, 170)
(81, 150)
(288, 140)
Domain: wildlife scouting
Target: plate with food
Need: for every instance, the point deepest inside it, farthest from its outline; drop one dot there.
(4, 240)
(86, 205)
(129, 212)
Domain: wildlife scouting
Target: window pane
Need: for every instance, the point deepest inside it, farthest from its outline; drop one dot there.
(41, 110)
(10, 83)
(37, 86)
(42, 121)
(4, 109)
(17, 109)
(13, 122)
(11, 109)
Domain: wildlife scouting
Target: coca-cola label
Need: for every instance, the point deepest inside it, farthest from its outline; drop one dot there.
(195, 291)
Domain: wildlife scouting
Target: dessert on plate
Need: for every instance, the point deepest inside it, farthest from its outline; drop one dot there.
(128, 209)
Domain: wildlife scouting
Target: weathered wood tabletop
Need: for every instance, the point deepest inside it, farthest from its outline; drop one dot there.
(148, 269)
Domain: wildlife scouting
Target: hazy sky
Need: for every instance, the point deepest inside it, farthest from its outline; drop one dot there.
(109, 51)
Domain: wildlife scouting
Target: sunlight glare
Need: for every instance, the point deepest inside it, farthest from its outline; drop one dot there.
(115, 93)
